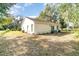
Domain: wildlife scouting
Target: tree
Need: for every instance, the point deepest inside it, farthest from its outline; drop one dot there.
(50, 12)
(4, 7)
(4, 23)
(4, 20)
(43, 14)
(69, 12)
(65, 12)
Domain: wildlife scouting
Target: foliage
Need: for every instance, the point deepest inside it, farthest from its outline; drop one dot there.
(65, 12)
(15, 27)
(5, 22)
(76, 33)
(4, 7)
(49, 13)
(69, 12)
(63, 24)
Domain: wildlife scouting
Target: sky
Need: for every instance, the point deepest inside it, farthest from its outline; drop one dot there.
(27, 9)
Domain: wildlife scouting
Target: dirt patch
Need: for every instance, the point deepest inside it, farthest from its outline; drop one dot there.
(43, 45)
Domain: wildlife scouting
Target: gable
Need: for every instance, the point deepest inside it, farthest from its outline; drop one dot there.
(27, 21)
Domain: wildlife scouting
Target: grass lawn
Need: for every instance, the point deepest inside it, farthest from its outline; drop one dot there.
(37, 45)
(11, 33)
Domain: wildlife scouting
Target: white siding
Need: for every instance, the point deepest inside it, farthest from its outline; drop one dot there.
(42, 28)
(38, 28)
(27, 22)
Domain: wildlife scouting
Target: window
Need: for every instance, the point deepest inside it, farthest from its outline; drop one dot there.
(27, 27)
(31, 27)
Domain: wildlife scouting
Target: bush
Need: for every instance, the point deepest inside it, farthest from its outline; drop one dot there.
(10, 27)
(62, 22)
(15, 27)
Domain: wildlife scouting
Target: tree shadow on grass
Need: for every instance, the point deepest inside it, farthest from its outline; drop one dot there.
(4, 47)
(33, 46)
(44, 47)
(57, 34)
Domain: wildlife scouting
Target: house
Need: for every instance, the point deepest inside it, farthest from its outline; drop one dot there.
(35, 26)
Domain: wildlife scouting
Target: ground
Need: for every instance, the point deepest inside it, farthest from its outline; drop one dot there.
(56, 44)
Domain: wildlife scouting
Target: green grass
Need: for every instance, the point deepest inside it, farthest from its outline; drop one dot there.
(5, 32)
(76, 32)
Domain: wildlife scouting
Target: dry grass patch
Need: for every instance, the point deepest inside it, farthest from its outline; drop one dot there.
(12, 34)
(38, 45)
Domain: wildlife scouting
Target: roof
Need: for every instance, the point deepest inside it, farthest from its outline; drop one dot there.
(31, 18)
(35, 19)
(41, 21)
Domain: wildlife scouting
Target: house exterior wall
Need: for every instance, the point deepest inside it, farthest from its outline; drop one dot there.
(42, 28)
(56, 26)
(38, 28)
(27, 23)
